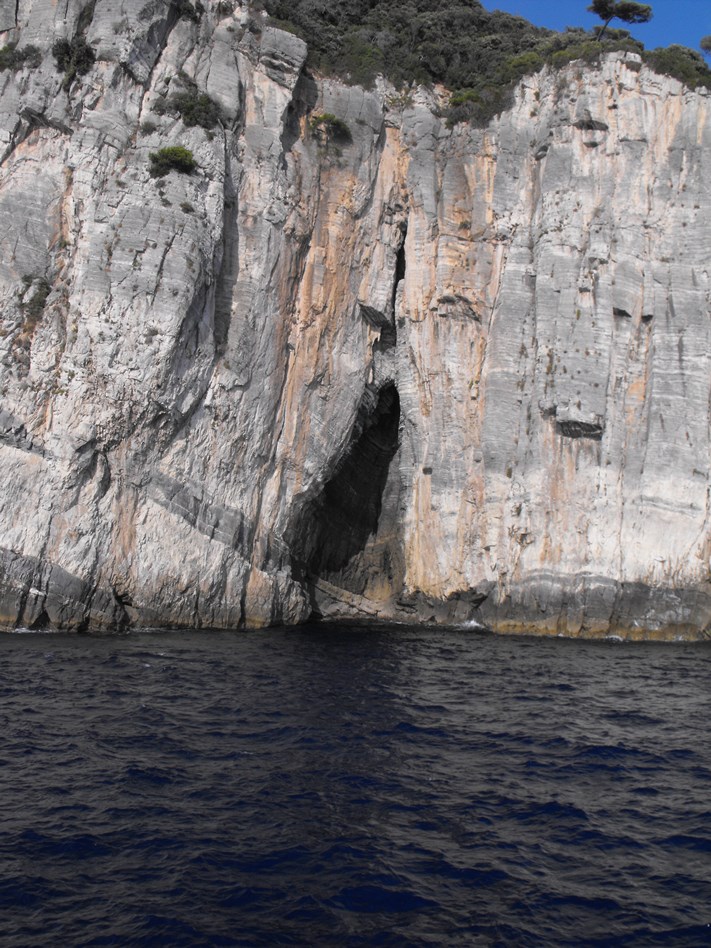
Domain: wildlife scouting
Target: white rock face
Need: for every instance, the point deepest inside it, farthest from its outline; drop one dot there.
(401, 371)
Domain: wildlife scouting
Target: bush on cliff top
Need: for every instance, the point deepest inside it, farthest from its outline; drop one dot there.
(682, 63)
(450, 41)
(459, 44)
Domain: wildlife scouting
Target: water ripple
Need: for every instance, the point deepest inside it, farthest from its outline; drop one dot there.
(349, 787)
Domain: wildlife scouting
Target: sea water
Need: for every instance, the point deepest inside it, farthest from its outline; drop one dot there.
(341, 786)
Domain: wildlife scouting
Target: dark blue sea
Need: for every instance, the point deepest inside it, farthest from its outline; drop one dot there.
(341, 786)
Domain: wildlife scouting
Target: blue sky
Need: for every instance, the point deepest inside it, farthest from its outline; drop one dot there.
(674, 21)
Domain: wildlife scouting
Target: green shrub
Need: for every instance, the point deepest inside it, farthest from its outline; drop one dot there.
(34, 307)
(286, 25)
(334, 127)
(196, 108)
(524, 64)
(361, 60)
(172, 158)
(590, 51)
(73, 58)
(463, 97)
(479, 106)
(14, 59)
(148, 127)
(184, 9)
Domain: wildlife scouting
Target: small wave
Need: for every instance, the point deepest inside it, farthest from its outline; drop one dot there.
(701, 844)
(372, 899)
(554, 808)
(149, 775)
(589, 903)
(472, 625)
(80, 847)
(611, 752)
(22, 630)
(27, 892)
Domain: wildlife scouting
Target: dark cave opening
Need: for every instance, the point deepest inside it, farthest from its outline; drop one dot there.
(388, 335)
(336, 525)
(400, 266)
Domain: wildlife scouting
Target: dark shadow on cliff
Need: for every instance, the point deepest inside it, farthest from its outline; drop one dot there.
(337, 525)
(303, 101)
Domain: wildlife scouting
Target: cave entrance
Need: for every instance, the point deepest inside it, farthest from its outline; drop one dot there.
(347, 534)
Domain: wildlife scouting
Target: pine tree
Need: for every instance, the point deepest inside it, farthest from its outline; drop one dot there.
(623, 10)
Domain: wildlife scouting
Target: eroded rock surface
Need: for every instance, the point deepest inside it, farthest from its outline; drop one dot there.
(413, 373)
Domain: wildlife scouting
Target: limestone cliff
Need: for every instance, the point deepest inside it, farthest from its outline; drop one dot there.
(400, 371)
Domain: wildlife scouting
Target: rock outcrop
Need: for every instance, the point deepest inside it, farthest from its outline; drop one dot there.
(397, 371)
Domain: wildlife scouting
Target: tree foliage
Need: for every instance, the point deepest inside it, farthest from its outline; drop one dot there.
(682, 63)
(478, 54)
(454, 42)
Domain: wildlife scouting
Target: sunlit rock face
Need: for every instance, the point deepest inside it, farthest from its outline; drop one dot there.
(403, 372)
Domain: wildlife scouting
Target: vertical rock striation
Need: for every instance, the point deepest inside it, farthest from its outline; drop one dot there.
(401, 372)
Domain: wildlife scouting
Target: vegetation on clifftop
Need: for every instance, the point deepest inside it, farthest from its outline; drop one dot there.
(478, 54)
